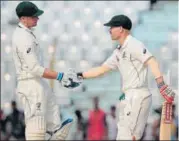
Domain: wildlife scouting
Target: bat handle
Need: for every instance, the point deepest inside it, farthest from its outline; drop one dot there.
(167, 113)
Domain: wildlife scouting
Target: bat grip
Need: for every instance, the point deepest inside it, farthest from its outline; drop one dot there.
(167, 112)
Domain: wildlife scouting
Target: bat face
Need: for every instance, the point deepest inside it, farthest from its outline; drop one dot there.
(166, 121)
(167, 111)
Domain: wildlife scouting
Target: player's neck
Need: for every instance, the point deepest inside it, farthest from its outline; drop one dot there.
(122, 39)
(25, 24)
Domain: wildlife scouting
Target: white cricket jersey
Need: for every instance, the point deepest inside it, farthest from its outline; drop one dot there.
(26, 53)
(129, 60)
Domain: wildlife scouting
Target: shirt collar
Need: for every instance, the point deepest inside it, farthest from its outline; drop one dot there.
(125, 42)
(23, 26)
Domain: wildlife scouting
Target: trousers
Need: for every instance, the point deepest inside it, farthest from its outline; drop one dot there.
(40, 110)
(133, 112)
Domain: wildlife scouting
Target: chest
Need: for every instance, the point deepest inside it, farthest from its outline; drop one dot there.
(124, 59)
(34, 42)
(38, 51)
(37, 48)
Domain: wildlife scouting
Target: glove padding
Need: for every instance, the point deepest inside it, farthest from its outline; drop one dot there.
(167, 93)
(70, 79)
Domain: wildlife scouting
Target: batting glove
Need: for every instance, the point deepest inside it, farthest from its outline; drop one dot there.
(80, 76)
(166, 92)
(69, 79)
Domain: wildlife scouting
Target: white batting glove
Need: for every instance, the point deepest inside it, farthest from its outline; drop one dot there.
(69, 79)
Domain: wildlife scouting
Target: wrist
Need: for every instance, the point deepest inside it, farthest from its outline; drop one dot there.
(59, 76)
(80, 75)
(160, 82)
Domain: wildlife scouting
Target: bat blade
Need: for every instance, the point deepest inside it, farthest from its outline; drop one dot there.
(166, 121)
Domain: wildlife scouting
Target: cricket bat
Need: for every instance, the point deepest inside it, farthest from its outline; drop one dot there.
(166, 121)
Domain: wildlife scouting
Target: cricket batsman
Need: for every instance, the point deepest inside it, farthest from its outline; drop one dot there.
(41, 112)
(132, 59)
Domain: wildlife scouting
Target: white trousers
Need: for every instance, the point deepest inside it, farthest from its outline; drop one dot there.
(41, 112)
(133, 114)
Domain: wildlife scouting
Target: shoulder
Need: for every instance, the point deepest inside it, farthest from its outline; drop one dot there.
(135, 45)
(22, 38)
(116, 51)
(21, 34)
(135, 42)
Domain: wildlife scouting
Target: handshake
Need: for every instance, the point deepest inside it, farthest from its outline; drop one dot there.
(70, 79)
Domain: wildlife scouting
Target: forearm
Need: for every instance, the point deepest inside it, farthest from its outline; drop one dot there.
(165, 90)
(67, 79)
(95, 72)
(49, 74)
(154, 67)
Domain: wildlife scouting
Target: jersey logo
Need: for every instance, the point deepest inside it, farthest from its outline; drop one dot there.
(128, 113)
(38, 105)
(144, 51)
(28, 50)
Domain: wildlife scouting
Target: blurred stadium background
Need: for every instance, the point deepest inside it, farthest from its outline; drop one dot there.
(72, 35)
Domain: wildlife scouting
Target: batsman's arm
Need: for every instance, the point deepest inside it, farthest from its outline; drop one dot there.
(95, 72)
(154, 66)
(142, 54)
(47, 73)
(50, 74)
(109, 64)
(38, 70)
(165, 91)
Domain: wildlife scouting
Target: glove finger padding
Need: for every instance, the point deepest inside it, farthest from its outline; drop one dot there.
(65, 80)
(72, 84)
(167, 93)
(70, 79)
(73, 75)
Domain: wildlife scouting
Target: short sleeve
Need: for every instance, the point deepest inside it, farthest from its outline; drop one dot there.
(140, 52)
(112, 61)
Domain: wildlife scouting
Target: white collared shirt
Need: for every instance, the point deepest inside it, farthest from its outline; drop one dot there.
(129, 60)
(26, 53)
